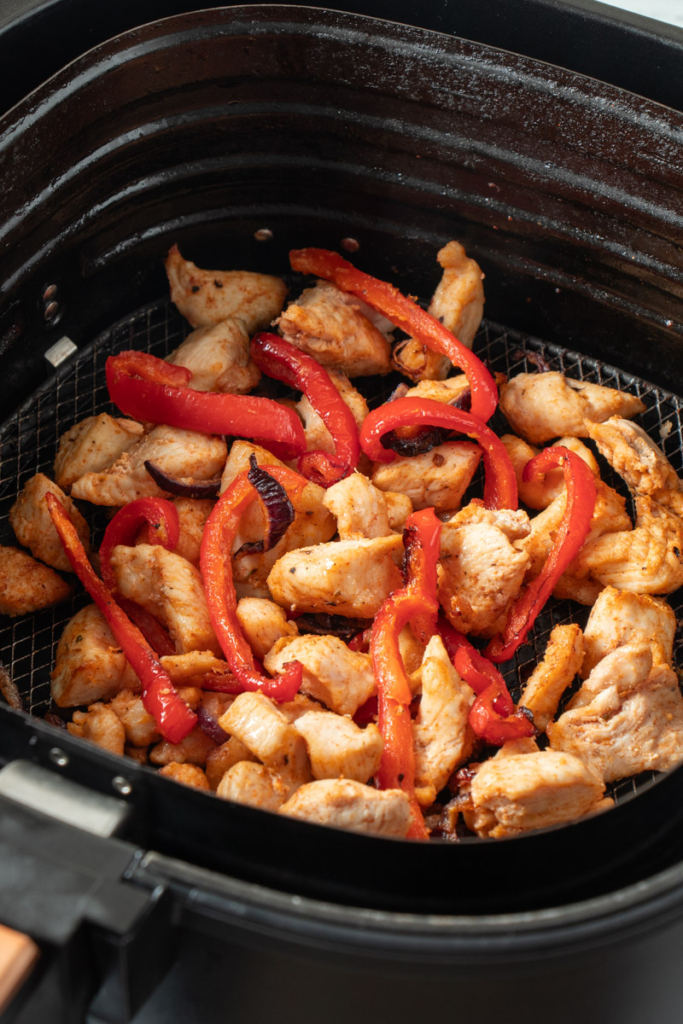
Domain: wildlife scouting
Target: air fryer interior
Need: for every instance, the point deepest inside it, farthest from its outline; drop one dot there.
(204, 129)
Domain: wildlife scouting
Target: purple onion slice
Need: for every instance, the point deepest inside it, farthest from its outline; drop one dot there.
(209, 725)
(196, 489)
(331, 625)
(278, 508)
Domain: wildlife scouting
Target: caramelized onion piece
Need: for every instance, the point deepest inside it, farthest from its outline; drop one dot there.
(331, 625)
(276, 505)
(209, 725)
(198, 489)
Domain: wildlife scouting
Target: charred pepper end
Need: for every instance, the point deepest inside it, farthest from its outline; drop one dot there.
(406, 314)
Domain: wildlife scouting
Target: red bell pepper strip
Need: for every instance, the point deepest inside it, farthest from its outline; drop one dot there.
(279, 359)
(215, 560)
(154, 391)
(406, 314)
(569, 538)
(500, 487)
(417, 600)
(173, 717)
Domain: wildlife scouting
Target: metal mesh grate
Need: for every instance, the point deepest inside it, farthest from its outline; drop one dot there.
(28, 443)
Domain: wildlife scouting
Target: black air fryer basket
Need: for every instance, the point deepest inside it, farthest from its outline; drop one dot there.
(203, 129)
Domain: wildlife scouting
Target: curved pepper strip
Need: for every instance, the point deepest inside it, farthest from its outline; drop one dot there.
(406, 314)
(215, 560)
(155, 391)
(417, 600)
(160, 698)
(279, 359)
(569, 538)
(500, 486)
(492, 716)
(163, 528)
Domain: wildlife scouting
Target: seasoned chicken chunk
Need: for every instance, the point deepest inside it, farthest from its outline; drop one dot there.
(345, 577)
(222, 758)
(192, 516)
(343, 803)
(626, 718)
(186, 774)
(340, 678)
(218, 358)
(263, 624)
(191, 668)
(521, 792)
(448, 391)
(207, 297)
(480, 572)
(338, 748)
(620, 617)
(33, 526)
(171, 589)
(551, 677)
(183, 454)
(92, 445)
(250, 783)
(437, 478)
(26, 585)
(541, 406)
(194, 749)
(636, 458)
(318, 437)
(99, 725)
(458, 303)
(328, 324)
(539, 494)
(399, 507)
(141, 729)
(442, 737)
(360, 508)
(90, 665)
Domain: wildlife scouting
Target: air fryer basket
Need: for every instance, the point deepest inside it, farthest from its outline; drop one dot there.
(203, 129)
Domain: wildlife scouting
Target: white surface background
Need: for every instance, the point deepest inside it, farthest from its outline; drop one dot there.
(663, 10)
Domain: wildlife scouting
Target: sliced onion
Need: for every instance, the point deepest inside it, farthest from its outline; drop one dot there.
(209, 725)
(323, 624)
(422, 441)
(196, 489)
(275, 503)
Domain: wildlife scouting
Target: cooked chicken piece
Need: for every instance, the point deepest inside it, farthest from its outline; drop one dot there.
(260, 725)
(540, 493)
(194, 749)
(191, 668)
(141, 729)
(360, 508)
(437, 479)
(343, 803)
(207, 297)
(399, 507)
(480, 572)
(218, 358)
(524, 745)
(447, 391)
(318, 437)
(458, 303)
(192, 514)
(137, 754)
(26, 585)
(300, 705)
(263, 623)
(33, 526)
(329, 325)
(338, 748)
(442, 737)
(186, 774)
(551, 677)
(171, 589)
(541, 406)
(100, 726)
(645, 560)
(521, 792)
(620, 617)
(345, 577)
(183, 454)
(253, 784)
(643, 465)
(90, 665)
(412, 651)
(626, 718)
(93, 445)
(340, 678)
(221, 760)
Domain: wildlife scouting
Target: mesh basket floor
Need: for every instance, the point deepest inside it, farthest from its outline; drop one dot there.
(28, 443)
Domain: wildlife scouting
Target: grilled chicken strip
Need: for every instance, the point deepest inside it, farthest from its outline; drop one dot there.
(318, 437)
(218, 358)
(33, 526)
(636, 458)
(170, 588)
(527, 791)
(343, 803)
(207, 297)
(551, 677)
(180, 453)
(340, 678)
(480, 572)
(26, 585)
(99, 725)
(437, 478)
(93, 445)
(338, 748)
(442, 737)
(263, 624)
(345, 577)
(90, 666)
(541, 406)
(332, 326)
(360, 508)
(186, 774)
(539, 494)
(458, 303)
(620, 617)
(626, 718)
